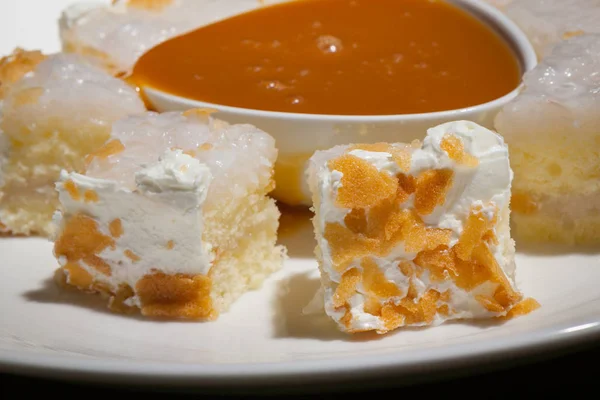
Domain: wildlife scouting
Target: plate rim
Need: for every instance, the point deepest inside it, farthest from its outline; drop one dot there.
(400, 363)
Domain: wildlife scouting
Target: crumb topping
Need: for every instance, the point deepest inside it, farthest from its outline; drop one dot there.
(16, 65)
(82, 241)
(455, 148)
(116, 228)
(131, 255)
(362, 183)
(90, 196)
(110, 148)
(376, 224)
(149, 5)
(176, 296)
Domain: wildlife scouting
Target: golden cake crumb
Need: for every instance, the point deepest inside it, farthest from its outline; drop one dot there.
(73, 190)
(205, 147)
(571, 34)
(77, 276)
(149, 5)
(407, 185)
(90, 196)
(391, 318)
(375, 282)
(131, 255)
(81, 240)
(356, 220)
(523, 204)
(200, 112)
(407, 268)
(347, 287)
(432, 187)
(116, 228)
(372, 305)
(191, 153)
(523, 308)
(347, 246)
(117, 302)
(170, 245)
(346, 319)
(439, 262)
(110, 148)
(489, 303)
(373, 147)
(402, 158)
(16, 65)
(455, 148)
(176, 296)
(362, 184)
(444, 310)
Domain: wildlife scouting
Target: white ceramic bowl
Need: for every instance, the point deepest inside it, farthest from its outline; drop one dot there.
(298, 136)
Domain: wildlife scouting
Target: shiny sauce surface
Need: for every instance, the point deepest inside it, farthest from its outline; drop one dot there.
(338, 57)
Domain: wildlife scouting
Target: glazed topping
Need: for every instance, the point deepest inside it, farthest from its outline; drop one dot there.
(348, 57)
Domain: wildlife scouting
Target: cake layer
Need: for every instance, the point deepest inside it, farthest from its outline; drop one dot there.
(553, 131)
(414, 235)
(172, 217)
(54, 111)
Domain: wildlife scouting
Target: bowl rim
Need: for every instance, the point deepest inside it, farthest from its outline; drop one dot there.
(486, 13)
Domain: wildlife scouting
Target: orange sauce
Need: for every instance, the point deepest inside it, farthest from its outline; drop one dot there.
(341, 57)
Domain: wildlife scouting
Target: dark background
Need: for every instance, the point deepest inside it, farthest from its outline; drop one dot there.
(570, 373)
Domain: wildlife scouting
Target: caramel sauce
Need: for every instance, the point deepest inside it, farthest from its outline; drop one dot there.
(341, 57)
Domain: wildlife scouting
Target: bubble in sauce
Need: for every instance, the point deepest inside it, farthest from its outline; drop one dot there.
(273, 85)
(255, 68)
(329, 44)
(295, 100)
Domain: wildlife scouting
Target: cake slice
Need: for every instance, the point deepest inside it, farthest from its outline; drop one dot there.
(119, 33)
(553, 131)
(172, 217)
(53, 111)
(415, 235)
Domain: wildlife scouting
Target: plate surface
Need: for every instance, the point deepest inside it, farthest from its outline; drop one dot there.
(264, 338)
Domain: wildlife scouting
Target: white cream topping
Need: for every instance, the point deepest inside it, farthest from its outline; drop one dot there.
(164, 210)
(488, 185)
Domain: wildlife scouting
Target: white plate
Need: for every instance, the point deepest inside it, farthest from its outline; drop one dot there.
(264, 338)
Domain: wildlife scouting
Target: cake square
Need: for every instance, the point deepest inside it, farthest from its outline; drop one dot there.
(172, 217)
(416, 234)
(54, 110)
(553, 131)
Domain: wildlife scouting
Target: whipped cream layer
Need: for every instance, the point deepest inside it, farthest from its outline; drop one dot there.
(464, 169)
